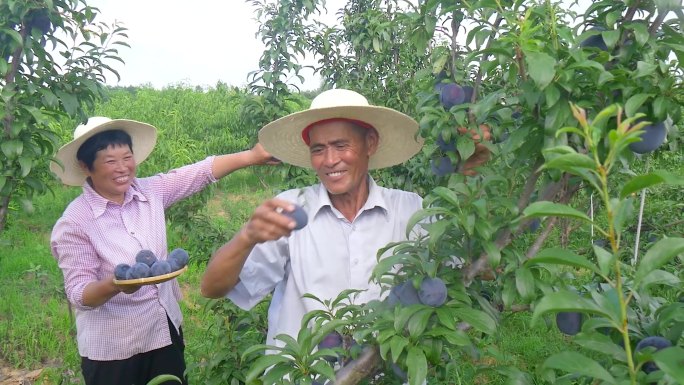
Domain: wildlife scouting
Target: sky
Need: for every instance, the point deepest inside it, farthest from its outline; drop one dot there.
(192, 42)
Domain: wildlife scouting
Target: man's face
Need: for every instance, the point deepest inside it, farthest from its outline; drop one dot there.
(340, 152)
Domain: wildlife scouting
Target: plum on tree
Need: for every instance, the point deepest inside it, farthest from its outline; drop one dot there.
(121, 270)
(446, 145)
(451, 94)
(160, 267)
(656, 342)
(569, 323)
(432, 292)
(138, 270)
(298, 215)
(442, 166)
(467, 94)
(652, 137)
(146, 256)
(595, 41)
(331, 341)
(403, 293)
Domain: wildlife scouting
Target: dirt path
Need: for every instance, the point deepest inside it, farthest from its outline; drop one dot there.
(12, 376)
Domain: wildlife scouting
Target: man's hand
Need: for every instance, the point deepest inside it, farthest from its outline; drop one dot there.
(262, 156)
(267, 223)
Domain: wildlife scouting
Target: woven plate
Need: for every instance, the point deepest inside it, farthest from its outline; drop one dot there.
(150, 280)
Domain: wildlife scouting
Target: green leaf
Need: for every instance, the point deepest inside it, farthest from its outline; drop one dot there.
(634, 103)
(163, 378)
(418, 322)
(640, 182)
(576, 363)
(671, 361)
(645, 69)
(546, 209)
(417, 366)
(524, 282)
(493, 253)
(477, 319)
(262, 363)
(397, 346)
(601, 343)
(541, 68)
(565, 301)
(559, 256)
(570, 162)
(12, 148)
(604, 258)
(659, 254)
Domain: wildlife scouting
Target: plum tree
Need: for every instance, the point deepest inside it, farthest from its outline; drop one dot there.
(656, 342)
(442, 166)
(121, 270)
(146, 256)
(160, 267)
(432, 292)
(178, 258)
(138, 270)
(652, 137)
(569, 323)
(298, 215)
(451, 94)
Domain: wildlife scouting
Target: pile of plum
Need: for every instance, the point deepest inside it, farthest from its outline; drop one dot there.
(147, 265)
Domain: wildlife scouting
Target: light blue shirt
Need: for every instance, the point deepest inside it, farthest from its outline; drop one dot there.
(329, 255)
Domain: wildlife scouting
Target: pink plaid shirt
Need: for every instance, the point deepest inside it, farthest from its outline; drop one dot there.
(94, 235)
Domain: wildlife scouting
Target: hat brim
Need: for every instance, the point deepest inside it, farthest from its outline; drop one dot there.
(398, 132)
(143, 138)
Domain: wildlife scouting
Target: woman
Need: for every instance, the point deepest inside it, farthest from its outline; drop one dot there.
(125, 335)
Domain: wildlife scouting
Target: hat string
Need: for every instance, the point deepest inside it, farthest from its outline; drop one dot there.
(305, 131)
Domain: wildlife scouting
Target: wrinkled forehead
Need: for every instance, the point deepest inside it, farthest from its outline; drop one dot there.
(356, 126)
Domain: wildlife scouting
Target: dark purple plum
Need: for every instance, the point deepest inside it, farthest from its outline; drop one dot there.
(178, 257)
(160, 268)
(120, 270)
(404, 293)
(331, 341)
(138, 270)
(451, 94)
(432, 292)
(399, 372)
(298, 215)
(533, 225)
(569, 323)
(444, 145)
(174, 264)
(601, 242)
(656, 342)
(146, 256)
(442, 166)
(652, 137)
(595, 41)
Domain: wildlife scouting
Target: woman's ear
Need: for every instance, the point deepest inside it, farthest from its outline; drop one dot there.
(84, 167)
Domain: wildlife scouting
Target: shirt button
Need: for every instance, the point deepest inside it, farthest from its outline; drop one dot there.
(132, 232)
(355, 262)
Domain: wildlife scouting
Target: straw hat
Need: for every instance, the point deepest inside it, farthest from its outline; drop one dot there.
(143, 138)
(398, 132)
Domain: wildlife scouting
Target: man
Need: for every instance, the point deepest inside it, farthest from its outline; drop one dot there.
(350, 217)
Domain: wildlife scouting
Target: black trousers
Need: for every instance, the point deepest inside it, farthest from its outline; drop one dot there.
(142, 367)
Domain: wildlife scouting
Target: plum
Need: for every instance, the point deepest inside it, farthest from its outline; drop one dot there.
(652, 137)
(656, 342)
(138, 270)
(178, 258)
(442, 166)
(432, 292)
(298, 215)
(146, 256)
(601, 243)
(467, 94)
(160, 268)
(533, 225)
(595, 41)
(120, 270)
(399, 372)
(451, 94)
(403, 293)
(331, 341)
(569, 323)
(446, 146)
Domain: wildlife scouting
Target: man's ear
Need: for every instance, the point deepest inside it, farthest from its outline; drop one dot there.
(372, 140)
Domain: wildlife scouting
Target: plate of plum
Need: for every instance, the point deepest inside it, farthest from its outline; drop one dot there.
(148, 270)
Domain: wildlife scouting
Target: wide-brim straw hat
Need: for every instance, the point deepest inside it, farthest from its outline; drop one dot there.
(143, 138)
(398, 132)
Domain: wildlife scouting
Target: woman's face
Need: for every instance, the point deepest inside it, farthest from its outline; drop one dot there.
(113, 172)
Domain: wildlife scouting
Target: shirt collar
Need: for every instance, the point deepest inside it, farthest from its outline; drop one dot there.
(375, 198)
(99, 204)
